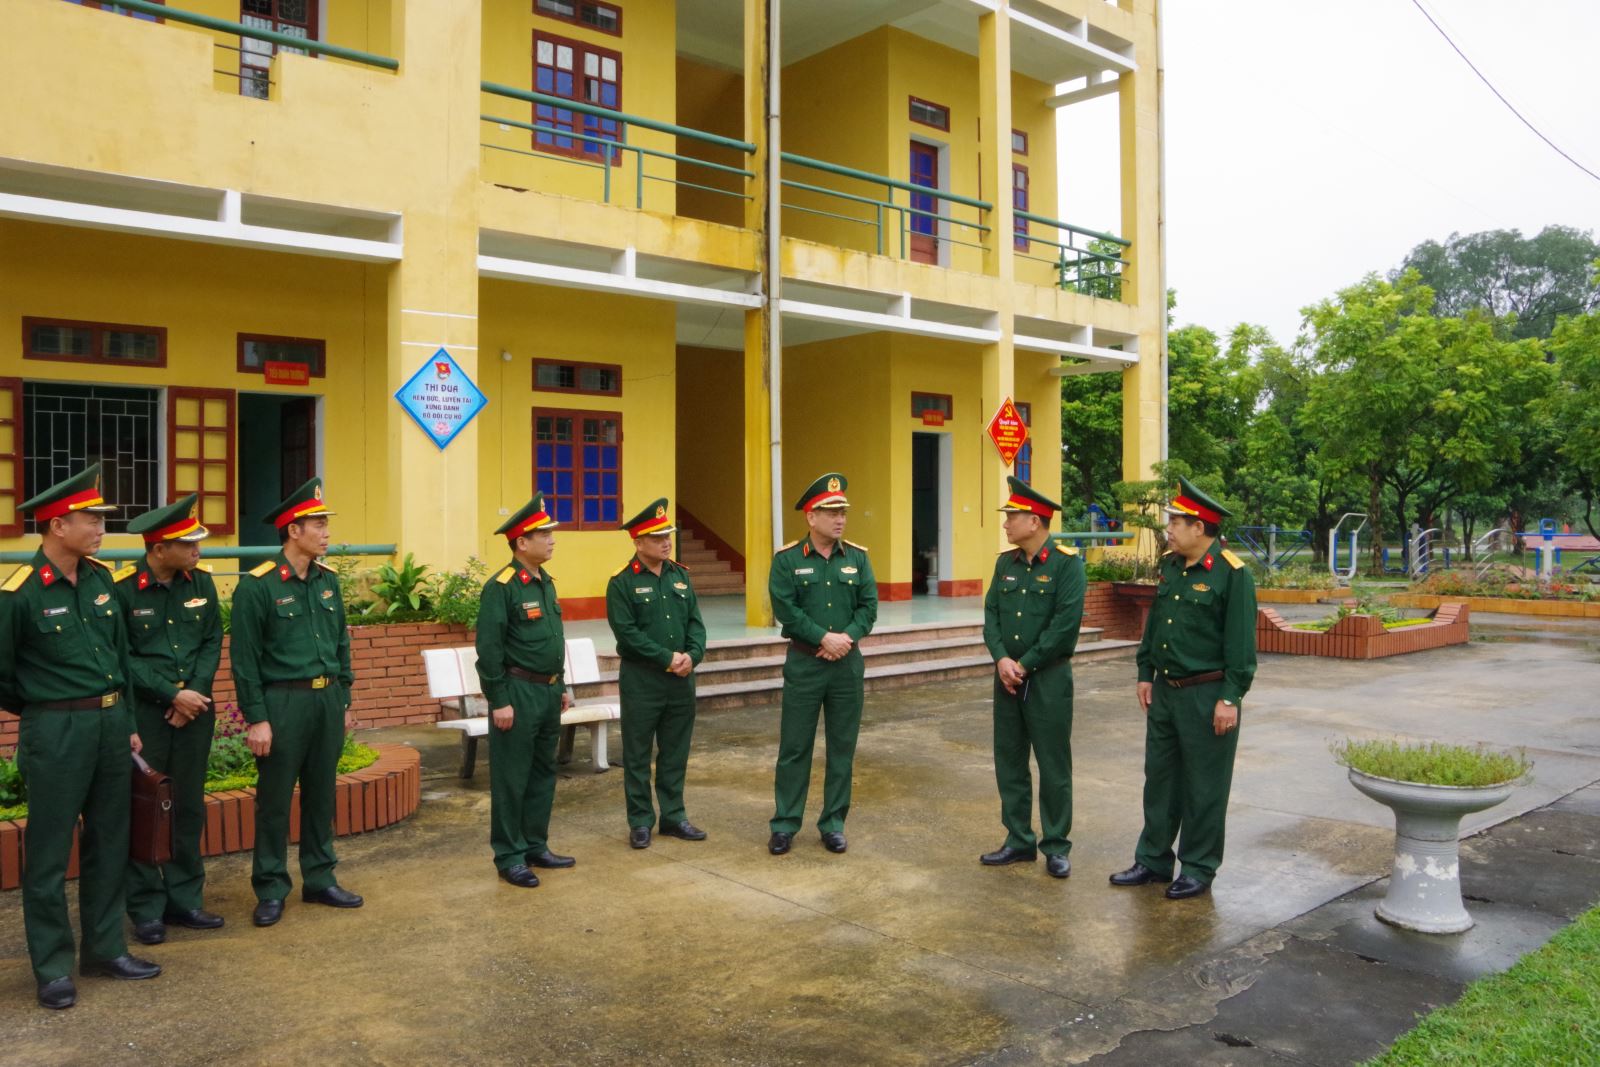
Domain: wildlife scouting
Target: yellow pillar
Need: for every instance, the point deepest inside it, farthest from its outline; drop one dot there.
(761, 333)
(431, 506)
(1144, 410)
(994, 147)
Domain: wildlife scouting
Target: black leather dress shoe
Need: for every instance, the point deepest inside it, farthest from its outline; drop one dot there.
(1057, 866)
(551, 860)
(685, 829)
(1138, 874)
(58, 993)
(1186, 887)
(198, 919)
(333, 896)
(1006, 854)
(779, 842)
(267, 912)
(127, 968)
(521, 877)
(639, 837)
(834, 841)
(150, 932)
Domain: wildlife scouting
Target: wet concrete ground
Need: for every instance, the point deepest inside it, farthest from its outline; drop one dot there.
(903, 950)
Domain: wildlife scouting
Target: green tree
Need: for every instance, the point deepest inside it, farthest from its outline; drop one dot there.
(1500, 272)
(1091, 438)
(1575, 406)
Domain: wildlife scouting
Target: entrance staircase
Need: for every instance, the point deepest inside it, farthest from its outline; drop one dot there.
(713, 576)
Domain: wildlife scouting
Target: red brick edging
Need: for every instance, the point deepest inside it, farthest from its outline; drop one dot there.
(1362, 636)
(369, 799)
(1298, 596)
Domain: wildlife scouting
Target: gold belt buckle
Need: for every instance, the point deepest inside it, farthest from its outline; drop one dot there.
(181, 683)
(320, 682)
(110, 699)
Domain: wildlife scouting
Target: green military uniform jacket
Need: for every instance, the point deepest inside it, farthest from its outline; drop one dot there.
(1033, 607)
(285, 629)
(60, 641)
(655, 616)
(812, 596)
(519, 625)
(1203, 619)
(174, 632)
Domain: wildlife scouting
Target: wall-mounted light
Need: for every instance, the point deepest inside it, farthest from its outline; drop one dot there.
(505, 357)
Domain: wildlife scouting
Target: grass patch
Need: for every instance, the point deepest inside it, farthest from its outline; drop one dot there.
(1322, 626)
(1432, 762)
(1544, 1010)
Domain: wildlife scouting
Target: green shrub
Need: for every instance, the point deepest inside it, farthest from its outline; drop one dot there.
(1294, 576)
(1432, 762)
(402, 589)
(13, 790)
(454, 594)
(1110, 570)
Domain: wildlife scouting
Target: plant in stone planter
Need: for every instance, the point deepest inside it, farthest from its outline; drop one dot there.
(1429, 786)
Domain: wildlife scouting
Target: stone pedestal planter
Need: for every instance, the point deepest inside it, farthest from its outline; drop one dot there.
(1425, 884)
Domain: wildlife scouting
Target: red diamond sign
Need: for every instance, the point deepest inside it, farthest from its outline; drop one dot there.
(1008, 432)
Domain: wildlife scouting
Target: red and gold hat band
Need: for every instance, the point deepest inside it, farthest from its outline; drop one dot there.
(186, 525)
(1018, 502)
(76, 502)
(1195, 508)
(830, 499)
(534, 522)
(303, 510)
(654, 524)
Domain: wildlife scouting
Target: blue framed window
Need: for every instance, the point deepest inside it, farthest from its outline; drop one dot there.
(1024, 462)
(582, 72)
(577, 465)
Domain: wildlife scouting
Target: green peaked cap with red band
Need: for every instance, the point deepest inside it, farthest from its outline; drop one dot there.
(651, 521)
(81, 492)
(304, 503)
(178, 521)
(1025, 498)
(1194, 503)
(528, 518)
(826, 492)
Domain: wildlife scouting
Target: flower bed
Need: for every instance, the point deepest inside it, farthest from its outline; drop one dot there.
(1362, 636)
(380, 795)
(1568, 609)
(1298, 596)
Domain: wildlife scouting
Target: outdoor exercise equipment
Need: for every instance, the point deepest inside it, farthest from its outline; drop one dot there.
(1483, 552)
(1421, 554)
(1345, 575)
(1273, 546)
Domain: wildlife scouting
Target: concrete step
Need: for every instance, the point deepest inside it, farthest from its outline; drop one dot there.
(724, 583)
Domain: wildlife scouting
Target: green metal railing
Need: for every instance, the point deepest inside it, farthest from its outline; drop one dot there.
(1095, 272)
(603, 160)
(284, 40)
(241, 553)
(886, 204)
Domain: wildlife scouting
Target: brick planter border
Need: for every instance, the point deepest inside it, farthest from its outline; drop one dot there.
(1298, 596)
(1568, 609)
(1362, 636)
(369, 799)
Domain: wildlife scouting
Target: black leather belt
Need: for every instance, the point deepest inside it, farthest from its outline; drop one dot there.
(1194, 679)
(107, 700)
(320, 682)
(529, 676)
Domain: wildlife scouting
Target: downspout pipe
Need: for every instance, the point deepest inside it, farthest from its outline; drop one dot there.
(774, 264)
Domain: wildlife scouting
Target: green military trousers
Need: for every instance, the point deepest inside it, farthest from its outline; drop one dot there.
(522, 773)
(181, 753)
(1188, 771)
(811, 686)
(75, 763)
(1039, 718)
(307, 737)
(658, 717)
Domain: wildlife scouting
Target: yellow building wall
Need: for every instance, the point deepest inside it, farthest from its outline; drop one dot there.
(204, 298)
(710, 440)
(538, 322)
(711, 99)
(648, 49)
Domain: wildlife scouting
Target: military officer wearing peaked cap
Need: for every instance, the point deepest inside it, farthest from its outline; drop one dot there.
(1031, 615)
(826, 600)
(655, 617)
(521, 662)
(1196, 662)
(174, 623)
(291, 665)
(64, 669)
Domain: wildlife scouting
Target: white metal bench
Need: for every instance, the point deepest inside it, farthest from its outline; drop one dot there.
(453, 681)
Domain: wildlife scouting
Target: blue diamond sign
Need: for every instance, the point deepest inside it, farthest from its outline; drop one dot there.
(441, 398)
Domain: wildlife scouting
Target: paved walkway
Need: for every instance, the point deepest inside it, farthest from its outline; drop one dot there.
(903, 950)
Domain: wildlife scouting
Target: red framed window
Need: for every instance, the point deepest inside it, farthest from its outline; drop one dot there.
(1019, 202)
(599, 379)
(577, 465)
(582, 72)
(10, 457)
(257, 350)
(930, 114)
(941, 403)
(118, 9)
(297, 18)
(71, 341)
(604, 17)
(200, 452)
(1019, 142)
(1023, 465)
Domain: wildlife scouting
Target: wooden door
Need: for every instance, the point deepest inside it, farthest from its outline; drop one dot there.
(924, 230)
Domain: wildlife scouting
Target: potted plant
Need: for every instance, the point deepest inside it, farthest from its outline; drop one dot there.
(1429, 786)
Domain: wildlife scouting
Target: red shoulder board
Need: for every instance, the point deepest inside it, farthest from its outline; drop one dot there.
(47, 574)
(1206, 563)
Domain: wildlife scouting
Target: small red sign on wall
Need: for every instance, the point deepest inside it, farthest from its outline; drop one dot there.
(1008, 432)
(286, 373)
(931, 417)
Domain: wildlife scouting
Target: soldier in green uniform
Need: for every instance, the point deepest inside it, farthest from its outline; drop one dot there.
(64, 669)
(655, 617)
(1196, 662)
(521, 662)
(826, 601)
(174, 623)
(291, 667)
(1031, 615)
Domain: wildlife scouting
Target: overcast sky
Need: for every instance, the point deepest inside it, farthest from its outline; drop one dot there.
(1309, 142)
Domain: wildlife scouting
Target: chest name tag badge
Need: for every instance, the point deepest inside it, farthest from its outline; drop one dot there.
(101, 599)
(284, 600)
(642, 589)
(847, 570)
(140, 613)
(804, 570)
(533, 610)
(197, 602)
(1011, 577)
(54, 611)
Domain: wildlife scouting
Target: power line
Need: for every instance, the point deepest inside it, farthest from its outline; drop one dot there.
(1498, 95)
